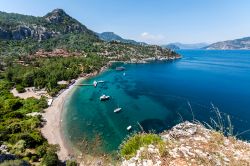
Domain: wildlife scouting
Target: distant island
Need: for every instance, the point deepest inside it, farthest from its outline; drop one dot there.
(176, 46)
(111, 36)
(171, 46)
(237, 44)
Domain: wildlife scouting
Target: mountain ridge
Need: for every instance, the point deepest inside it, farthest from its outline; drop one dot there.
(15, 26)
(185, 46)
(111, 36)
(235, 44)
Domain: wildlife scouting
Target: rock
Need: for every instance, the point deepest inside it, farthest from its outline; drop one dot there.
(5, 34)
(190, 144)
(4, 149)
(22, 32)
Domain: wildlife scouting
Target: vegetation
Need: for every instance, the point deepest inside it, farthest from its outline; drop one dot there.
(20, 132)
(46, 72)
(30, 59)
(50, 159)
(129, 147)
(15, 163)
(71, 163)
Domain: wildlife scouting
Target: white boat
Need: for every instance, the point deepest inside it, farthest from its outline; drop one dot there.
(124, 74)
(95, 83)
(104, 97)
(129, 128)
(117, 110)
(121, 68)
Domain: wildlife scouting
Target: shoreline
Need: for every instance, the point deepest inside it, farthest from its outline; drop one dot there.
(52, 130)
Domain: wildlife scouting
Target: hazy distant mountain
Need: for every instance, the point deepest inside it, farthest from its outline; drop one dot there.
(171, 46)
(111, 36)
(187, 46)
(237, 44)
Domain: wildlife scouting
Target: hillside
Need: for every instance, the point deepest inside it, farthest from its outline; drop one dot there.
(237, 44)
(36, 54)
(185, 144)
(20, 27)
(22, 35)
(111, 36)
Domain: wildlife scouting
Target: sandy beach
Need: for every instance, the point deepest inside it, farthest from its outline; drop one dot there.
(52, 129)
(53, 115)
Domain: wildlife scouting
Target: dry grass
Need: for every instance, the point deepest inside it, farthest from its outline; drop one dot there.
(193, 144)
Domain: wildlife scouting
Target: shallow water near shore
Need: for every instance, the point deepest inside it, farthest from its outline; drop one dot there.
(156, 96)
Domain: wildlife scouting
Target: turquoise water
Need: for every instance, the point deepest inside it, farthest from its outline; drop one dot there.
(156, 95)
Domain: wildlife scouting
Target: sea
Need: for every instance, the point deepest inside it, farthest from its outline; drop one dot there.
(156, 96)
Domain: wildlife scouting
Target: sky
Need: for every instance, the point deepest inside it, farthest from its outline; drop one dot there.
(151, 21)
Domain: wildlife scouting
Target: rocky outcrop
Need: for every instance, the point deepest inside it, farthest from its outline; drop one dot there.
(23, 32)
(4, 34)
(56, 16)
(192, 144)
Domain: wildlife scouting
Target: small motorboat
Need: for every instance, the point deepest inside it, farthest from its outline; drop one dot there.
(95, 83)
(121, 68)
(117, 110)
(129, 128)
(104, 97)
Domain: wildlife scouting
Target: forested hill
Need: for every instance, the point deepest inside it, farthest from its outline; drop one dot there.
(19, 27)
(40, 52)
(58, 33)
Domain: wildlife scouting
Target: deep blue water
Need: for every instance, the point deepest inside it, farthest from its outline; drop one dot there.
(156, 95)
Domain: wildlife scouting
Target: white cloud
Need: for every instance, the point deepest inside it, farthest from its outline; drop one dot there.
(147, 37)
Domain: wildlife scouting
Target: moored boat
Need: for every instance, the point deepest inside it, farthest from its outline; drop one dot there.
(129, 128)
(121, 68)
(104, 97)
(95, 83)
(117, 110)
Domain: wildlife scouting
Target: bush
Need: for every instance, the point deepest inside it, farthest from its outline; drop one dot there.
(129, 147)
(41, 150)
(19, 147)
(20, 89)
(71, 163)
(15, 163)
(50, 159)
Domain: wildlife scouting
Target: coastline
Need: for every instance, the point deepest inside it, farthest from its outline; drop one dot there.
(52, 130)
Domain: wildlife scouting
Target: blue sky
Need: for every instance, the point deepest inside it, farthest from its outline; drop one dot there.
(152, 21)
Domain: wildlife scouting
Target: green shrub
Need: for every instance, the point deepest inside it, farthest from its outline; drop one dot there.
(20, 89)
(41, 150)
(50, 159)
(19, 147)
(34, 158)
(132, 144)
(15, 163)
(71, 163)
